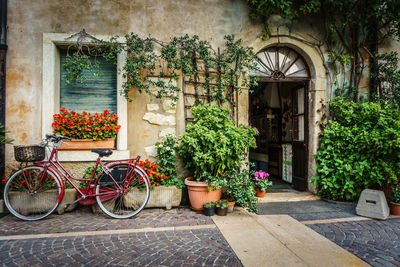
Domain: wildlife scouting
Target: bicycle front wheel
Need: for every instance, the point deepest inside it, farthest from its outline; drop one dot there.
(31, 194)
(124, 193)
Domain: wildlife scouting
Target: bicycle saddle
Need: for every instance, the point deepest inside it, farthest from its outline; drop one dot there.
(103, 152)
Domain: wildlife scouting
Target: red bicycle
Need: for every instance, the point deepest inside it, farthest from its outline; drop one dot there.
(121, 190)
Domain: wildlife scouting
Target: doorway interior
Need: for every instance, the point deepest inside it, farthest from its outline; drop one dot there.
(278, 109)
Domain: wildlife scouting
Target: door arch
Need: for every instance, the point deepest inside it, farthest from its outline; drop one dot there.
(283, 119)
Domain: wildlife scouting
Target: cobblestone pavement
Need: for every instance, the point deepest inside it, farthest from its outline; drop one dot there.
(84, 220)
(203, 245)
(376, 242)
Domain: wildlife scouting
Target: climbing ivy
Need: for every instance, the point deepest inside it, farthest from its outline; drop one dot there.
(353, 29)
(154, 67)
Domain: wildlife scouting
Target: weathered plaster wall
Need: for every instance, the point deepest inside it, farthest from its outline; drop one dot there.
(210, 19)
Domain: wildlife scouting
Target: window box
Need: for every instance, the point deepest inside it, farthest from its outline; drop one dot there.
(87, 144)
(160, 197)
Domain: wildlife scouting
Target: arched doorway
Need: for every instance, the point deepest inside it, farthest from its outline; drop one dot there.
(278, 108)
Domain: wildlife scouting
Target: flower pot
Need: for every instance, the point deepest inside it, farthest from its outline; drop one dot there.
(209, 211)
(87, 144)
(200, 193)
(160, 197)
(26, 204)
(69, 196)
(231, 205)
(260, 193)
(394, 208)
(221, 212)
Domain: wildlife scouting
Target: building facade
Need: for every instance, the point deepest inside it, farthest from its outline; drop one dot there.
(284, 106)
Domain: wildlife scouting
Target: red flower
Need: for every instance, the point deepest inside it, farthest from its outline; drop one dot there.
(4, 181)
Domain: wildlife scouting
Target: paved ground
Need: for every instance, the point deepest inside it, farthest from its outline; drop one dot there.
(156, 237)
(376, 242)
(180, 237)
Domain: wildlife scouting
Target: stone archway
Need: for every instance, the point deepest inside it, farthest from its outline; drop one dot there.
(317, 90)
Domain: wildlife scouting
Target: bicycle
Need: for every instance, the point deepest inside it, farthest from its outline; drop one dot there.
(121, 190)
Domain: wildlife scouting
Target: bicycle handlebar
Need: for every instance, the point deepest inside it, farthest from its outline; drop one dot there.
(56, 138)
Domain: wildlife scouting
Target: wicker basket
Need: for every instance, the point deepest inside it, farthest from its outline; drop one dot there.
(29, 153)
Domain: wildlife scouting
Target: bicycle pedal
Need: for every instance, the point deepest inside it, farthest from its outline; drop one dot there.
(73, 202)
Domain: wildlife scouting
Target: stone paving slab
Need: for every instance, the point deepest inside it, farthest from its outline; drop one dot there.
(376, 242)
(84, 220)
(279, 240)
(200, 247)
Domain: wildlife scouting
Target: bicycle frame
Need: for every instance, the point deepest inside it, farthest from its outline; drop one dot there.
(54, 162)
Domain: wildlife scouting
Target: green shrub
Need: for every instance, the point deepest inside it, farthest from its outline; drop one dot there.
(212, 144)
(358, 149)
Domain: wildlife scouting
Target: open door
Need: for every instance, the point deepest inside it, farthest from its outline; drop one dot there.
(299, 144)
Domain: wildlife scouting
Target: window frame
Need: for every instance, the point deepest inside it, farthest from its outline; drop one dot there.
(51, 96)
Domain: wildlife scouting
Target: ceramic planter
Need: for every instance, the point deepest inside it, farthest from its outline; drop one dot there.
(69, 196)
(26, 204)
(109, 205)
(160, 197)
(209, 211)
(260, 193)
(231, 206)
(394, 208)
(200, 193)
(87, 144)
(221, 212)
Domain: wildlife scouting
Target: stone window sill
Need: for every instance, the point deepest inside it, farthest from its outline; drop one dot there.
(87, 155)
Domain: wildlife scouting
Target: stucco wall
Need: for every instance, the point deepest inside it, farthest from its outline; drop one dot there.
(210, 19)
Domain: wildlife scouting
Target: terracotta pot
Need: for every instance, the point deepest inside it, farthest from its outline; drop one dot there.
(87, 144)
(394, 208)
(231, 205)
(260, 193)
(200, 193)
(221, 212)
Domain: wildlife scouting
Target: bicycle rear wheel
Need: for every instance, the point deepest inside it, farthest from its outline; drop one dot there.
(123, 194)
(30, 194)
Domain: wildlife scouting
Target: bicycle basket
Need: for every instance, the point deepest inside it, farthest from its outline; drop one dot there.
(29, 153)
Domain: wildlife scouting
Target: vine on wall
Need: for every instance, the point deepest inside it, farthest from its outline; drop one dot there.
(153, 66)
(353, 30)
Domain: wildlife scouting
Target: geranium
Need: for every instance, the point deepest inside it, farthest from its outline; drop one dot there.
(86, 126)
(261, 180)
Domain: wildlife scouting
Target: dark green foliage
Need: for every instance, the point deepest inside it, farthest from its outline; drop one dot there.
(3, 139)
(350, 26)
(217, 72)
(88, 174)
(241, 188)
(222, 204)
(396, 194)
(359, 149)
(212, 144)
(388, 79)
(209, 204)
(167, 161)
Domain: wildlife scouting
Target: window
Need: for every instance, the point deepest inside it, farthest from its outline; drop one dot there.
(96, 94)
(51, 95)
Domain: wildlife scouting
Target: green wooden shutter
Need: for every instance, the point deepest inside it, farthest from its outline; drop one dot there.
(96, 94)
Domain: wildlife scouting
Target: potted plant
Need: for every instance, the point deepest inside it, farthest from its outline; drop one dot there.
(241, 187)
(211, 146)
(221, 207)
(166, 191)
(395, 203)
(87, 130)
(209, 208)
(261, 183)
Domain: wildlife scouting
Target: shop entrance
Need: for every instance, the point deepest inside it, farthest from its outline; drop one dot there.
(278, 109)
